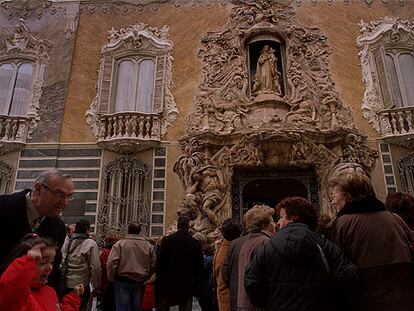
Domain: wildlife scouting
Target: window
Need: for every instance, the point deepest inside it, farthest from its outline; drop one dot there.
(399, 82)
(387, 61)
(135, 85)
(134, 100)
(125, 197)
(15, 87)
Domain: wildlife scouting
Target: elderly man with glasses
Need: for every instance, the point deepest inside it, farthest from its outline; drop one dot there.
(36, 210)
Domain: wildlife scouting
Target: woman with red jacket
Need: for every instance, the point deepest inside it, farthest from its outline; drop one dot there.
(24, 276)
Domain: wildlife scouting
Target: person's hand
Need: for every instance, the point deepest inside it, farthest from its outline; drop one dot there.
(79, 289)
(36, 252)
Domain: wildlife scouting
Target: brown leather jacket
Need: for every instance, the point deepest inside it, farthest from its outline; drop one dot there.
(375, 241)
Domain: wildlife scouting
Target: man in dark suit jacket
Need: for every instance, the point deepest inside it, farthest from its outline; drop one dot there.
(179, 268)
(36, 211)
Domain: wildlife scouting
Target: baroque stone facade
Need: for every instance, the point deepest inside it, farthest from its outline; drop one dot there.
(309, 126)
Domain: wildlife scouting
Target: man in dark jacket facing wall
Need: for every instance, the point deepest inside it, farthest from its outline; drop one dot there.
(297, 269)
(179, 268)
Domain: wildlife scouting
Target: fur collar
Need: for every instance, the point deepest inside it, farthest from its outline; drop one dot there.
(362, 205)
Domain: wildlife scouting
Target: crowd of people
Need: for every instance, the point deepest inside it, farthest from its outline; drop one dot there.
(287, 258)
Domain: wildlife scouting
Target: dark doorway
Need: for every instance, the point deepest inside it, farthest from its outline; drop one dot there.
(270, 185)
(271, 191)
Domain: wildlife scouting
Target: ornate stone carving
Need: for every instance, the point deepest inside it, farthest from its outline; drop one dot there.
(207, 182)
(311, 99)
(389, 32)
(134, 40)
(24, 8)
(24, 45)
(72, 14)
(307, 128)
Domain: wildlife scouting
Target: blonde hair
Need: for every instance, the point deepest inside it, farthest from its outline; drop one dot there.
(353, 185)
(258, 217)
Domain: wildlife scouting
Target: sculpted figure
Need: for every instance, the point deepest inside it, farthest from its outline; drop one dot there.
(205, 194)
(267, 75)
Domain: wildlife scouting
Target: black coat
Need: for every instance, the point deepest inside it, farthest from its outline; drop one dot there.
(14, 225)
(179, 268)
(289, 272)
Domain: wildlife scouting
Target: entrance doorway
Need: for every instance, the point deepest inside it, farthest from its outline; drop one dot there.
(269, 186)
(271, 191)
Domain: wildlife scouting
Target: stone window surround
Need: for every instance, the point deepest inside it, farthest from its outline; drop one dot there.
(120, 177)
(23, 46)
(389, 34)
(138, 41)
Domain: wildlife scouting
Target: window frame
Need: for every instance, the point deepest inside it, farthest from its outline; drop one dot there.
(136, 59)
(384, 80)
(16, 63)
(388, 34)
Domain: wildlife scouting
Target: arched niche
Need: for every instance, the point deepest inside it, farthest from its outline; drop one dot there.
(266, 56)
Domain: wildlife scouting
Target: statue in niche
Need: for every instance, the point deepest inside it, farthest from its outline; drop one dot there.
(267, 75)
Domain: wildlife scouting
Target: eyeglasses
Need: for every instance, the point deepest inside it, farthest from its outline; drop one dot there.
(60, 195)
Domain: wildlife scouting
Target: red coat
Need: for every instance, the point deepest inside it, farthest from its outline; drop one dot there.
(19, 291)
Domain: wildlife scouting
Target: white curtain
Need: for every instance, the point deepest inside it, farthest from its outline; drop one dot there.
(6, 74)
(392, 74)
(21, 93)
(407, 73)
(124, 96)
(145, 91)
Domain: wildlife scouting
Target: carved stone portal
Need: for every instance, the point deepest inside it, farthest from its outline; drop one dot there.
(307, 127)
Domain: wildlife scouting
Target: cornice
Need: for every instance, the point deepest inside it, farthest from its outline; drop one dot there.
(38, 8)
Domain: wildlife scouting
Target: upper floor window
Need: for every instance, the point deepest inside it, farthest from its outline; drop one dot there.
(387, 60)
(135, 85)
(134, 98)
(15, 86)
(400, 78)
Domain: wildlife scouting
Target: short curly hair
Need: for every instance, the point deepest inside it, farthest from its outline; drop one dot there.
(258, 217)
(300, 210)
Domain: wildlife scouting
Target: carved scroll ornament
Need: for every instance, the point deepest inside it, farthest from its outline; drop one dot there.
(223, 105)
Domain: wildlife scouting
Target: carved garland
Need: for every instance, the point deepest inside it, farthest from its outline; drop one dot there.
(390, 32)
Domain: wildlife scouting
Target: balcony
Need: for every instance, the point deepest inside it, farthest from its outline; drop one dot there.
(13, 133)
(397, 126)
(129, 132)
